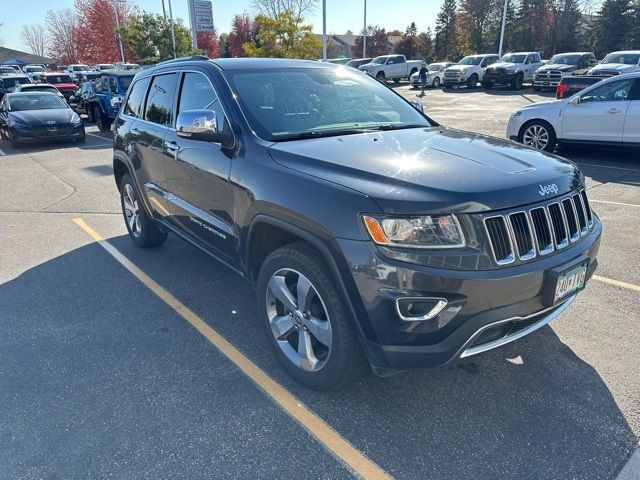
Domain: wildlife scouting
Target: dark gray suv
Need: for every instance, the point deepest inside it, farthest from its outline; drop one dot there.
(372, 234)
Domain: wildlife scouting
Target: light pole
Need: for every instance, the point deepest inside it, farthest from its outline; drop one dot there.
(324, 30)
(364, 37)
(115, 8)
(173, 34)
(504, 21)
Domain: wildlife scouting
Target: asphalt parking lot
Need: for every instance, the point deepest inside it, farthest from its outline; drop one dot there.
(102, 378)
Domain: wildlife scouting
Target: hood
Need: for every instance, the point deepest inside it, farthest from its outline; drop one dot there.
(504, 65)
(39, 118)
(460, 68)
(431, 170)
(558, 66)
(614, 67)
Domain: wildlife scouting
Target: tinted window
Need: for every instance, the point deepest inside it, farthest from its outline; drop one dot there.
(197, 93)
(160, 100)
(135, 101)
(609, 92)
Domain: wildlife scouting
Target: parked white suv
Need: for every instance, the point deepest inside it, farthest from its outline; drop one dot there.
(513, 69)
(606, 113)
(434, 77)
(469, 71)
(617, 63)
(391, 67)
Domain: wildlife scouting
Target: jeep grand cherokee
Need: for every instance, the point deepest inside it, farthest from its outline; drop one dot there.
(371, 233)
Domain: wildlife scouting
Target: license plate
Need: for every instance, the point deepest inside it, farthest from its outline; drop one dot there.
(570, 282)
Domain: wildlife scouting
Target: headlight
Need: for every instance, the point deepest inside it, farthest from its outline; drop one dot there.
(76, 120)
(427, 231)
(511, 70)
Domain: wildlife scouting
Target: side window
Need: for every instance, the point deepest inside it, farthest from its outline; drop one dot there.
(609, 92)
(159, 107)
(391, 61)
(198, 94)
(536, 58)
(528, 60)
(400, 59)
(486, 62)
(135, 101)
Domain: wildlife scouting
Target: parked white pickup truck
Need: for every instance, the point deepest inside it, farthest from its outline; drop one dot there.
(617, 63)
(513, 69)
(391, 67)
(468, 71)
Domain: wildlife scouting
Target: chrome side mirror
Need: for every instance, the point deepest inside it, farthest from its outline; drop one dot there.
(575, 101)
(417, 105)
(198, 125)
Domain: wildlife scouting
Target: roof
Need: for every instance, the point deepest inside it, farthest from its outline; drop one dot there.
(8, 55)
(13, 75)
(260, 63)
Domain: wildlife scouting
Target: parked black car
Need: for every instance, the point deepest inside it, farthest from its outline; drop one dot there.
(38, 117)
(370, 233)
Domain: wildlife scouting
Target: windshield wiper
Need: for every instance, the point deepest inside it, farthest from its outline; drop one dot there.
(348, 131)
(393, 126)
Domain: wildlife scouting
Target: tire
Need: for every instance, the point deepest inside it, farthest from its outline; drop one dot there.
(517, 82)
(436, 82)
(539, 135)
(413, 70)
(380, 77)
(472, 81)
(3, 136)
(91, 114)
(82, 139)
(103, 122)
(396, 81)
(327, 367)
(487, 85)
(537, 89)
(14, 143)
(142, 229)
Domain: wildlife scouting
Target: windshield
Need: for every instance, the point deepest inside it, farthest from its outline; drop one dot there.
(40, 88)
(106, 66)
(565, 60)
(131, 66)
(59, 79)
(435, 67)
(7, 70)
(13, 82)
(470, 61)
(625, 58)
(125, 82)
(46, 101)
(289, 104)
(513, 58)
(34, 69)
(379, 60)
(80, 68)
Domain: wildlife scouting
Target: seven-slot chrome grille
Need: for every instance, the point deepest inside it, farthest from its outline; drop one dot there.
(538, 231)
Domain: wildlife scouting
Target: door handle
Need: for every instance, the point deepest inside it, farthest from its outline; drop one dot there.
(614, 110)
(173, 146)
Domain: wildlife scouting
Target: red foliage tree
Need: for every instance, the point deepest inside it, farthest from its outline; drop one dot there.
(377, 42)
(209, 42)
(241, 33)
(95, 30)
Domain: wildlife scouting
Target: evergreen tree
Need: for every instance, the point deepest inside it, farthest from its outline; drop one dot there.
(564, 36)
(425, 46)
(612, 27)
(445, 44)
(634, 33)
(412, 30)
(534, 21)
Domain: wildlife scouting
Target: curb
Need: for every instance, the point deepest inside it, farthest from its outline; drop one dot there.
(631, 469)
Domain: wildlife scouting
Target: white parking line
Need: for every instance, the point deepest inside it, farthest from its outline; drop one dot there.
(631, 470)
(591, 200)
(608, 166)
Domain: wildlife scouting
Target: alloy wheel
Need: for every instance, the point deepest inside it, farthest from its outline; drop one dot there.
(436, 82)
(536, 136)
(298, 319)
(131, 210)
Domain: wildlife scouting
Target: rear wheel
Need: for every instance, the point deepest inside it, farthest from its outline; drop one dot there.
(307, 320)
(142, 229)
(103, 122)
(538, 134)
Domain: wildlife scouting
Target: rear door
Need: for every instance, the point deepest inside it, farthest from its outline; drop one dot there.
(600, 114)
(198, 175)
(631, 133)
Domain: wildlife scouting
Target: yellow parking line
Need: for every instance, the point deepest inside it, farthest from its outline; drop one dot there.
(332, 440)
(591, 200)
(617, 283)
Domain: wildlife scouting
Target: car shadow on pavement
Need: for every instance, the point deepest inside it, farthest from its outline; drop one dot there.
(531, 409)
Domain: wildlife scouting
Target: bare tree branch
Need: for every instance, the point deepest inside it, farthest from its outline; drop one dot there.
(60, 29)
(34, 37)
(272, 8)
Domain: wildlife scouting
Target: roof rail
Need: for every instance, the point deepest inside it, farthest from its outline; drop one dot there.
(184, 59)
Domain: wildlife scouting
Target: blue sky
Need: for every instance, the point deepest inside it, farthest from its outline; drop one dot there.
(342, 15)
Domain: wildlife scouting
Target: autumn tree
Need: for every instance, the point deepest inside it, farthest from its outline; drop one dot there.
(425, 46)
(61, 30)
(95, 30)
(377, 42)
(34, 37)
(474, 22)
(241, 34)
(148, 37)
(445, 44)
(273, 8)
(283, 37)
(209, 43)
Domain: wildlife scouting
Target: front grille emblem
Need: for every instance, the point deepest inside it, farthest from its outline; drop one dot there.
(50, 122)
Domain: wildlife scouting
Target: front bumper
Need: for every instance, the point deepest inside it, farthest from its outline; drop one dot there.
(39, 135)
(546, 83)
(514, 296)
(499, 78)
(452, 81)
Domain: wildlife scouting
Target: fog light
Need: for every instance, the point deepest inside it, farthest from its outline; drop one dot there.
(416, 309)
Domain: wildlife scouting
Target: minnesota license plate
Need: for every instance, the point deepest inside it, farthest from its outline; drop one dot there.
(570, 282)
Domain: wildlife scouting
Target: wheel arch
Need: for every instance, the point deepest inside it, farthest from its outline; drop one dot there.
(539, 120)
(122, 166)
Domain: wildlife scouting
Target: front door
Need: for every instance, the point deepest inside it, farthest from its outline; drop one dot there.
(631, 134)
(600, 114)
(198, 177)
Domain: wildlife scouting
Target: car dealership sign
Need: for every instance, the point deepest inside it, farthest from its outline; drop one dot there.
(201, 15)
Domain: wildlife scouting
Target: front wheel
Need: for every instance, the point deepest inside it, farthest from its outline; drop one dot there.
(306, 319)
(436, 82)
(104, 124)
(142, 229)
(538, 134)
(487, 85)
(380, 77)
(517, 82)
(473, 81)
